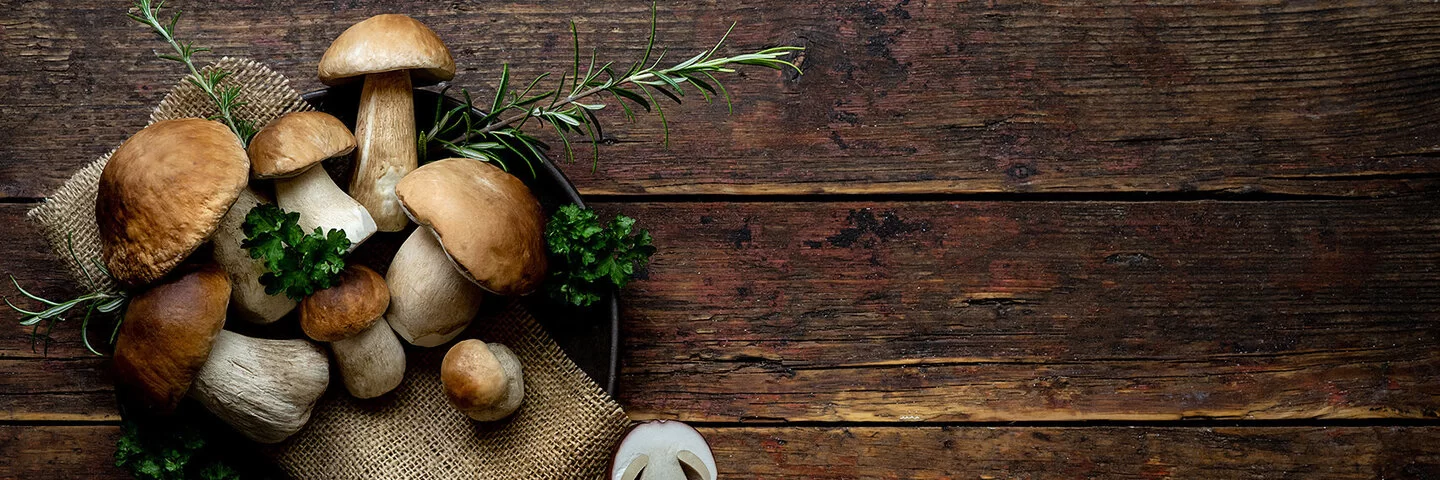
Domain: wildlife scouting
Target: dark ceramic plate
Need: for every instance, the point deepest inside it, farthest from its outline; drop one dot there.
(589, 336)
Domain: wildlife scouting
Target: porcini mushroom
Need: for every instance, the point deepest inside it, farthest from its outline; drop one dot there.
(163, 193)
(483, 225)
(167, 334)
(391, 52)
(663, 450)
(350, 316)
(263, 388)
(289, 150)
(482, 380)
(247, 296)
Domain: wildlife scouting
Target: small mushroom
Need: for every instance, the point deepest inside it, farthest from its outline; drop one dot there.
(263, 388)
(163, 193)
(391, 53)
(482, 380)
(167, 334)
(350, 316)
(247, 296)
(484, 225)
(289, 150)
(663, 450)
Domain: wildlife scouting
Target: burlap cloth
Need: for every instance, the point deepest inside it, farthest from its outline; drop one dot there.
(564, 429)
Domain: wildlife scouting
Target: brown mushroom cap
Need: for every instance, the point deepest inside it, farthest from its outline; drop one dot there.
(167, 335)
(484, 381)
(386, 43)
(347, 308)
(163, 194)
(487, 220)
(297, 141)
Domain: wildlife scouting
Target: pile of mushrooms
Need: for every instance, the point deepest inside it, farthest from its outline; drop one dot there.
(178, 185)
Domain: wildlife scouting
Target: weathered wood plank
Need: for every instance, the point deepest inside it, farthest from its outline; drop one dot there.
(931, 452)
(971, 311)
(898, 96)
(1036, 311)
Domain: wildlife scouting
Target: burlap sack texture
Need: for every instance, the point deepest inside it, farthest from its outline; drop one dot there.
(564, 429)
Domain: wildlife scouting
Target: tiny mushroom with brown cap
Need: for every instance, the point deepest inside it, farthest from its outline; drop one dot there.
(289, 150)
(263, 388)
(247, 297)
(350, 316)
(388, 51)
(167, 334)
(477, 224)
(482, 380)
(163, 193)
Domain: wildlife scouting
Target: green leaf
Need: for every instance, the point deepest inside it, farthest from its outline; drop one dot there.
(298, 263)
(588, 258)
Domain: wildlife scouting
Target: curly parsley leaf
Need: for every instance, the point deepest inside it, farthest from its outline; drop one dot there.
(169, 451)
(298, 263)
(587, 258)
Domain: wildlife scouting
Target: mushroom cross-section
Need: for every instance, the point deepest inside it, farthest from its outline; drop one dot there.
(482, 380)
(391, 53)
(163, 193)
(350, 315)
(663, 450)
(290, 150)
(479, 227)
(167, 334)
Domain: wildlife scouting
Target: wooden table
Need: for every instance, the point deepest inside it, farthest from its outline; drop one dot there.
(982, 239)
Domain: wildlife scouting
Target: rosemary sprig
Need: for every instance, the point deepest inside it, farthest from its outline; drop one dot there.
(98, 301)
(227, 99)
(499, 131)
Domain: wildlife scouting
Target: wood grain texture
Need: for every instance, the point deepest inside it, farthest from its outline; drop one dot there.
(933, 452)
(989, 311)
(1059, 311)
(898, 95)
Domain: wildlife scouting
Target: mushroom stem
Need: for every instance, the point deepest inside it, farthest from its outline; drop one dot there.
(430, 301)
(263, 388)
(372, 362)
(322, 204)
(385, 138)
(247, 295)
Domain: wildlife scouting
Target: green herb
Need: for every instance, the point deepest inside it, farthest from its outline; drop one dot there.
(498, 133)
(170, 451)
(587, 258)
(299, 263)
(97, 301)
(227, 99)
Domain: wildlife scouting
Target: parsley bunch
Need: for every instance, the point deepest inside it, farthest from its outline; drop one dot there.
(587, 258)
(170, 451)
(299, 263)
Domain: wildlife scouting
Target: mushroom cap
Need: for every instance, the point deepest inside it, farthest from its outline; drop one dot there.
(297, 141)
(163, 194)
(347, 308)
(167, 334)
(484, 381)
(386, 43)
(487, 220)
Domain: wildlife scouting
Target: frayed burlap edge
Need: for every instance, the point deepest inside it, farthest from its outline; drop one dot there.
(564, 430)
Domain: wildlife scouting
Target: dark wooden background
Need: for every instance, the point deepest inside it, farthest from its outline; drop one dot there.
(986, 239)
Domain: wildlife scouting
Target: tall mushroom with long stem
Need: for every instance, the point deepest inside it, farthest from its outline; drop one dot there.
(392, 53)
(351, 316)
(289, 150)
(477, 223)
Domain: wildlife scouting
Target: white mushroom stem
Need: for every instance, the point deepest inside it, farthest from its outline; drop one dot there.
(263, 388)
(385, 146)
(372, 362)
(430, 301)
(321, 203)
(247, 295)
